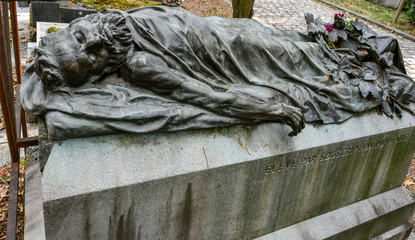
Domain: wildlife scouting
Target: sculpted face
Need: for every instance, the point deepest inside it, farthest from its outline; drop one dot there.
(78, 52)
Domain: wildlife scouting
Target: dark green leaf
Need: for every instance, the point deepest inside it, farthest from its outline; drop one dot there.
(364, 88)
(333, 36)
(386, 59)
(355, 81)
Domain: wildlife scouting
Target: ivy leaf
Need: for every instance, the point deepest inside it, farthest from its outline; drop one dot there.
(364, 88)
(386, 108)
(370, 76)
(358, 25)
(370, 71)
(312, 29)
(335, 76)
(333, 37)
(376, 91)
(344, 65)
(342, 34)
(309, 18)
(343, 76)
(372, 66)
(364, 29)
(319, 22)
(367, 88)
(386, 59)
(355, 81)
(314, 26)
(331, 66)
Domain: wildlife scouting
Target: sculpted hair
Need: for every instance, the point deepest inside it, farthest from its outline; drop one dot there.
(47, 69)
(114, 35)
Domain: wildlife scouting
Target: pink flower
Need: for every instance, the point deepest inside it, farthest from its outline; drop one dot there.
(339, 15)
(329, 27)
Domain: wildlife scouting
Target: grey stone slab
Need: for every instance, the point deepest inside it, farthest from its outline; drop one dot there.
(34, 223)
(351, 222)
(111, 162)
(69, 14)
(205, 149)
(4, 154)
(23, 3)
(5, 158)
(411, 236)
(45, 11)
(43, 27)
(229, 183)
(401, 232)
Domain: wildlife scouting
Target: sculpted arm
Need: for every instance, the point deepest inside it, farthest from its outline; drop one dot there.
(151, 72)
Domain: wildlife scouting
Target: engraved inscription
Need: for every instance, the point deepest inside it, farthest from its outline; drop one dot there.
(332, 155)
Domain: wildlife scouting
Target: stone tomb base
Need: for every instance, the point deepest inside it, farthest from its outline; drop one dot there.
(330, 182)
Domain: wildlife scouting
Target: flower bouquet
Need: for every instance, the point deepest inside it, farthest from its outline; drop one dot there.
(358, 56)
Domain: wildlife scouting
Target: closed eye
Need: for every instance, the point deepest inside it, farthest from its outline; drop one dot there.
(80, 37)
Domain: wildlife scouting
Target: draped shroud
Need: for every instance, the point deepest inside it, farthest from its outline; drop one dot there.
(228, 55)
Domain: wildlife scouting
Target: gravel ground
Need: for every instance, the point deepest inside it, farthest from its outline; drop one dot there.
(409, 183)
(206, 8)
(411, 175)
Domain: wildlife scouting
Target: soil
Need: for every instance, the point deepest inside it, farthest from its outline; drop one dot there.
(203, 8)
(409, 183)
(206, 8)
(4, 201)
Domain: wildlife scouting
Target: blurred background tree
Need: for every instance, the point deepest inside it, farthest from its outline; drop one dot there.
(243, 8)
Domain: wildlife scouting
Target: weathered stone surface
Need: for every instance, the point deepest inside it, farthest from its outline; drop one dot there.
(45, 11)
(34, 222)
(69, 14)
(357, 221)
(411, 237)
(230, 183)
(51, 11)
(401, 232)
(23, 3)
(43, 27)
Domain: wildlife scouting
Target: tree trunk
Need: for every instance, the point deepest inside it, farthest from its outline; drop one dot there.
(243, 8)
(398, 12)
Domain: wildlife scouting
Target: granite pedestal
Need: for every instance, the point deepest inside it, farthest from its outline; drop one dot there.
(330, 182)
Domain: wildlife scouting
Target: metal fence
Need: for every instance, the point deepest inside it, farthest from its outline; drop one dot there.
(13, 114)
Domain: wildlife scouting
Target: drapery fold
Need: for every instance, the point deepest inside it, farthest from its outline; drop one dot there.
(229, 55)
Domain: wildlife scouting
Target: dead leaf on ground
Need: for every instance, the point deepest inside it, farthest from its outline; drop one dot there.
(29, 60)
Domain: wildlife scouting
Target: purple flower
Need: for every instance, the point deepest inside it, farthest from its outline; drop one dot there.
(329, 27)
(339, 15)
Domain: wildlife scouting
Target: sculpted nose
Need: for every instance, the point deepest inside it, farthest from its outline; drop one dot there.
(94, 43)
